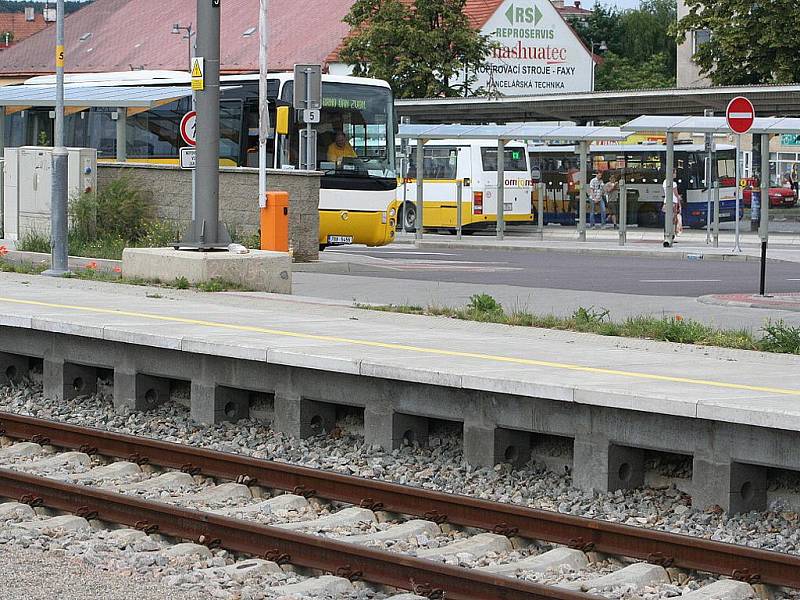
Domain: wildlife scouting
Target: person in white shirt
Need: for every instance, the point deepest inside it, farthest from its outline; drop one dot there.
(677, 219)
(596, 196)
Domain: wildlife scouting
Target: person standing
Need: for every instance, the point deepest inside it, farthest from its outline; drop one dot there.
(596, 197)
(611, 190)
(677, 219)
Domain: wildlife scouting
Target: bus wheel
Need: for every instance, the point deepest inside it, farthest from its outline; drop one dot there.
(322, 247)
(408, 217)
(648, 218)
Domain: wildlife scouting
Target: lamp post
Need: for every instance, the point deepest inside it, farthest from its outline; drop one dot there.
(176, 30)
(601, 47)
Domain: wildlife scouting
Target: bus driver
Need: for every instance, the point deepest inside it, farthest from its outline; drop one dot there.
(340, 148)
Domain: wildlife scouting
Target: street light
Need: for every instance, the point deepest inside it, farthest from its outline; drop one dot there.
(176, 30)
(601, 47)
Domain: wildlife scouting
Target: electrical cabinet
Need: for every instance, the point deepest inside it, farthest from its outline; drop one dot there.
(27, 186)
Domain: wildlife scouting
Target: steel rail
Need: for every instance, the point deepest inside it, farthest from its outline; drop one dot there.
(345, 560)
(659, 547)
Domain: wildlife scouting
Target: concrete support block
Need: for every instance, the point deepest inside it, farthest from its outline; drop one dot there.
(257, 270)
(601, 466)
(136, 391)
(13, 368)
(65, 381)
(300, 417)
(411, 428)
(211, 403)
(735, 487)
(378, 429)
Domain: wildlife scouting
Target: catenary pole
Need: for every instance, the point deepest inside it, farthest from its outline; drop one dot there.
(58, 211)
(207, 231)
(263, 103)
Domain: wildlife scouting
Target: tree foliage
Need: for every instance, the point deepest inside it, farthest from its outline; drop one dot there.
(751, 42)
(16, 6)
(641, 52)
(421, 48)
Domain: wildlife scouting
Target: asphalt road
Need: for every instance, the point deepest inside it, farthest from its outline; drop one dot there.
(566, 271)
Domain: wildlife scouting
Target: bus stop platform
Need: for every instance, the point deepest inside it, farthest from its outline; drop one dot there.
(690, 245)
(736, 413)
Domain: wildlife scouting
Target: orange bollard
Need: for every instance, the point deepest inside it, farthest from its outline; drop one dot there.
(275, 222)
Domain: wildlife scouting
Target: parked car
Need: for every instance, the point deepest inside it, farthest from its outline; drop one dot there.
(779, 197)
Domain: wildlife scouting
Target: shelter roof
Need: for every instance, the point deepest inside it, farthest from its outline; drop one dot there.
(684, 124)
(83, 96)
(523, 131)
(620, 106)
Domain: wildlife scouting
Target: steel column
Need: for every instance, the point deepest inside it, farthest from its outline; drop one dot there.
(420, 179)
(501, 178)
(122, 135)
(669, 198)
(582, 195)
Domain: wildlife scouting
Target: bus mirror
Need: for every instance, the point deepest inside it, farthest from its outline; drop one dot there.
(396, 127)
(282, 121)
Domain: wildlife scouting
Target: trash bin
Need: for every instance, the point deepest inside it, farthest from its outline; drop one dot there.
(275, 222)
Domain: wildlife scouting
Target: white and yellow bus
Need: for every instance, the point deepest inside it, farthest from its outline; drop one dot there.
(358, 192)
(474, 163)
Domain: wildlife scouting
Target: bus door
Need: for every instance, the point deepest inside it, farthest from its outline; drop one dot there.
(517, 182)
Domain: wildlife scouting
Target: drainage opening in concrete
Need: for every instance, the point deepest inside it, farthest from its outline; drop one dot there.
(349, 420)
(151, 397)
(554, 453)
(409, 437)
(261, 406)
(317, 424)
(11, 372)
(231, 410)
(78, 384)
(625, 472)
(511, 454)
(662, 469)
(747, 492)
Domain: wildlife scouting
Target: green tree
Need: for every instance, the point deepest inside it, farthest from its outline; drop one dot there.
(422, 49)
(751, 42)
(641, 52)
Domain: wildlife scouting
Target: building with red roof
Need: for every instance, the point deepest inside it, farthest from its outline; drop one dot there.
(121, 35)
(18, 26)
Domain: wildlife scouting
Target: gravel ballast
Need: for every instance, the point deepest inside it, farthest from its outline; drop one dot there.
(440, 467)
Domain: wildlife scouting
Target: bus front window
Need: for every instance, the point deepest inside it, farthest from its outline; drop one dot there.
(355, 135)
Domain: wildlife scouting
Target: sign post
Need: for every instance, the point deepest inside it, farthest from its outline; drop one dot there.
(308, 98)
(740, 115)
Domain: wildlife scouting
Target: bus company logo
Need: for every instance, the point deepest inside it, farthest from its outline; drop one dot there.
(529, 15)
(344, 215)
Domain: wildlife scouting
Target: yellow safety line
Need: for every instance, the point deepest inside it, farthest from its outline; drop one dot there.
(409, 348)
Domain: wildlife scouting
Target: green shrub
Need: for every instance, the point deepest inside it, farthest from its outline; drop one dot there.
(117, 210)
(33, 241)
(779, 337)
(484, 303)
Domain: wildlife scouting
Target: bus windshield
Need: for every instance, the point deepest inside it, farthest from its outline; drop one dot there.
(355, 135)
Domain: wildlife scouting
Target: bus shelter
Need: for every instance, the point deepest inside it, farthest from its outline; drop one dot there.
(127, 101)
(502, 134)
(763, 127)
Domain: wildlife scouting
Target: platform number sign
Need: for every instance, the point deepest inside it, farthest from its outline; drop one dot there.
(215, 3)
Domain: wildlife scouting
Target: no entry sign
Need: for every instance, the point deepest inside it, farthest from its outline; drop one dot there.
(740, 115)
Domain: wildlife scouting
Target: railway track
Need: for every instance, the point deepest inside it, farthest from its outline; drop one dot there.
(286, 542)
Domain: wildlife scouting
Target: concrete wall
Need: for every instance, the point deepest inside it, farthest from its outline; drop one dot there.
(169, 188)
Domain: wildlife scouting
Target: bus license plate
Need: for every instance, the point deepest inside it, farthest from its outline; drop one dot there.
(508, 206)
(724, 215)
(340, 239)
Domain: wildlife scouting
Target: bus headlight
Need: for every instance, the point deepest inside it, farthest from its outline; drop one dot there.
(383, 217)
(392, 213)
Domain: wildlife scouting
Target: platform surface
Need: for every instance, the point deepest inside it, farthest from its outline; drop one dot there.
(654, 377)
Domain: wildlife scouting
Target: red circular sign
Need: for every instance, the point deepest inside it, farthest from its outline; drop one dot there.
(740, 115)
(189, 127)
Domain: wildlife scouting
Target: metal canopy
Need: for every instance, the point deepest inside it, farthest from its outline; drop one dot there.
(101, 97)
(525, 131)
(684, 124)
(620, 106)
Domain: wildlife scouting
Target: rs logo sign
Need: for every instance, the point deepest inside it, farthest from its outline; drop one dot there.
(519, 14)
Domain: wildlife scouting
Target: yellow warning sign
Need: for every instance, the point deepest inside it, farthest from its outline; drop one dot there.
(59, 56)
(198, 74)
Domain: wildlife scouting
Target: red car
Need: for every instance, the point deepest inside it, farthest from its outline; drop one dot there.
(779, 197)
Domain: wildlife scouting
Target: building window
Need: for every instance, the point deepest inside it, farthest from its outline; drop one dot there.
(700, 37)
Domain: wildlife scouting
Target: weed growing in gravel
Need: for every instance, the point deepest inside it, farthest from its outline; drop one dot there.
(777, 337)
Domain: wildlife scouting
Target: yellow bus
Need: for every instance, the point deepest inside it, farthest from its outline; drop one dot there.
(358, 191)
(474, 163)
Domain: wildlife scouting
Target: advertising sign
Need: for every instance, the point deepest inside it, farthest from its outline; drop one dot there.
(535, 52)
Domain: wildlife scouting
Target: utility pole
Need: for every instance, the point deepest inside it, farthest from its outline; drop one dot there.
(207, 233)
(263, 102)
(59, 264)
